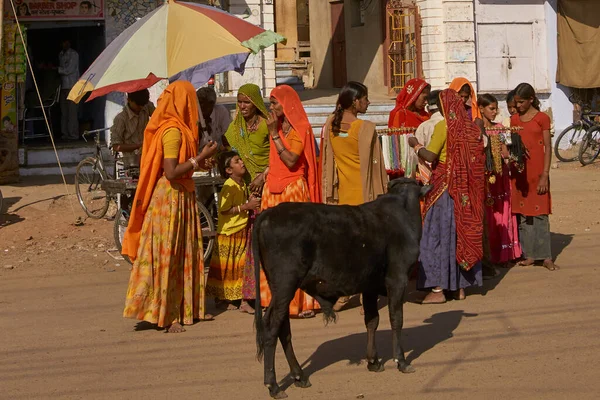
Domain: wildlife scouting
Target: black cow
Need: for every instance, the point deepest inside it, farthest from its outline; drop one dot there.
(334, 251)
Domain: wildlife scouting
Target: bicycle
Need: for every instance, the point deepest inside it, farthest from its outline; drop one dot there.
(590, 146)
(568, 144)
(89, 175)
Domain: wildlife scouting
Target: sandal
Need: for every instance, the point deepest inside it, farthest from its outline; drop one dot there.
(307, 314)
(459, 294)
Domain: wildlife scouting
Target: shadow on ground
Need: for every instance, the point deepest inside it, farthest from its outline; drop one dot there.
(416, 341)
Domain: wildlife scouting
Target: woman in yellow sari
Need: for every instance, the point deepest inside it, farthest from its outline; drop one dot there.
(248, 135)
(352, 166)
(164, 237)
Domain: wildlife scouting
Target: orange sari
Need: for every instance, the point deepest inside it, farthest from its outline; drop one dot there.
(456, 85)
(401, 116)
(297, 184)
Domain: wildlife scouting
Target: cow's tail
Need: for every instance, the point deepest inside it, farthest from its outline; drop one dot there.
(259, 325)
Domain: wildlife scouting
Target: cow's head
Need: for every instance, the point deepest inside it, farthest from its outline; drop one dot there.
(407, 186)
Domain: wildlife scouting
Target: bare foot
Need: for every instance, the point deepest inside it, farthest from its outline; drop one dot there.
(232, 307)
(460, 294)
(207, 317)
(176, 327)
(550, 266)
(525, 263)
(435, 297)
(246, 308)
(341, 303)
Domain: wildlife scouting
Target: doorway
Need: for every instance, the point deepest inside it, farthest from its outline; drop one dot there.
(44, 42)
(338, 42)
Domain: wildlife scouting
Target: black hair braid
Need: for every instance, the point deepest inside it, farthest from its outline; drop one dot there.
(336, 124)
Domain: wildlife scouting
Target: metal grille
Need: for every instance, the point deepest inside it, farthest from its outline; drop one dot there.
(403, 44)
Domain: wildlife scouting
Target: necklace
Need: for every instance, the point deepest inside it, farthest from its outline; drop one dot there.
(252, 125)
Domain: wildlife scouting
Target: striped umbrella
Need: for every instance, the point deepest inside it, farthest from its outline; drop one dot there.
(178, 40)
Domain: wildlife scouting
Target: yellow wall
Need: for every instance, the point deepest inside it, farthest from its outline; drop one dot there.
(286, 24)
(320, 42)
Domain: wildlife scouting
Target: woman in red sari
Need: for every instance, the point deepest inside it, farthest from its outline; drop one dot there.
(451, 244)
(410, 105)
(291, 175)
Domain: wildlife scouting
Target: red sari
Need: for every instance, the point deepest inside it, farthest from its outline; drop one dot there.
(401, 116)
(463, 177)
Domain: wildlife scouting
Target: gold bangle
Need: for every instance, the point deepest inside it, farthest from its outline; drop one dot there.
(194, 163)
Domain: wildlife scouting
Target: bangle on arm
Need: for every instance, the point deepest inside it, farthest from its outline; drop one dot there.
(194, 163)
(275, 138)
(281, 151)
(417, 148)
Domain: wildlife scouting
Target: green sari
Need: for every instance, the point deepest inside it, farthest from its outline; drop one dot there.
(253, 147)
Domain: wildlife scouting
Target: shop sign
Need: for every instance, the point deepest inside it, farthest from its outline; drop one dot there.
(37, 10)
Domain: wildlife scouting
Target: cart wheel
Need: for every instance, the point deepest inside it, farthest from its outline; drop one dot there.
(209, 233)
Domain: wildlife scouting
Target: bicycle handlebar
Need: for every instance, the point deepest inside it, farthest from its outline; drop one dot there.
(94, 132)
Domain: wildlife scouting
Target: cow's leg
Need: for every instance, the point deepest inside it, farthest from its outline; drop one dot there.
(285, 337)
(372, 322)
(396, 299)
(276, 313)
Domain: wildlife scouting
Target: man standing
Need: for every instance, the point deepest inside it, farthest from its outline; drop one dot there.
(127, 132)
(216, 117)
(68, 69)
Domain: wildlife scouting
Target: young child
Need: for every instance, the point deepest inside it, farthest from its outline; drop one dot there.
(225, 277)
(501, 243)
(511, 106)
(531, 189)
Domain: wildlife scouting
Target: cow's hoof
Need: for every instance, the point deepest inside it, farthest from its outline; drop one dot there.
(278, 395)
(406, 368)
(304, 384)
(376, 366)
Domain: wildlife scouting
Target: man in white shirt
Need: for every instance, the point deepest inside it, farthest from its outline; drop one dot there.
(68, 69)
(216, 117)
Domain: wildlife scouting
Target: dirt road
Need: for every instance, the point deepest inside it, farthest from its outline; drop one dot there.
(530, 333)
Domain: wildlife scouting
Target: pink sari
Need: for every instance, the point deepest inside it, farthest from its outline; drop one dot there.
(502, 227)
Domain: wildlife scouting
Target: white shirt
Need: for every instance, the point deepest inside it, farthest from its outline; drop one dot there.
(220, 120)
(68, 68)
(425, 130)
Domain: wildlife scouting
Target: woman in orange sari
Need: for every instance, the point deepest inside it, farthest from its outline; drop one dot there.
(292, 173)
(465, 90)
(163, 237)
(410, 105)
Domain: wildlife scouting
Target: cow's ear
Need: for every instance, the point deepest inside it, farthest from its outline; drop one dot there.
(424, 190)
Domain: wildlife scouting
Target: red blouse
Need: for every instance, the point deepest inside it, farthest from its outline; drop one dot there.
(525, 199)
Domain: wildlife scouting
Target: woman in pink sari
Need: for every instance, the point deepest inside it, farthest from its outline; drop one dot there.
(502, 244)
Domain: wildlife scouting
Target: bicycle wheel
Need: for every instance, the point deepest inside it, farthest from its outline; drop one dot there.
(121, 221)
(209, 232)
(566, 146)
(213, 209)
(590, 147)
(88, 185)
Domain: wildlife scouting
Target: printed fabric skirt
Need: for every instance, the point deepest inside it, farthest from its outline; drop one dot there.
(249, 284)
(502, 230)
(295, 192)
(167, 280)
(438, 266)
(226, 274)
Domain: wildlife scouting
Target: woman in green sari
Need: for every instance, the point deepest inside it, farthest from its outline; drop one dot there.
(248, 135)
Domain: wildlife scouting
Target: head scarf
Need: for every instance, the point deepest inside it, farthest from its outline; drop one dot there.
(457, 84)
(465, 160)
(407, 96)
(177, 108)
(295, 114)
(237, 135)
